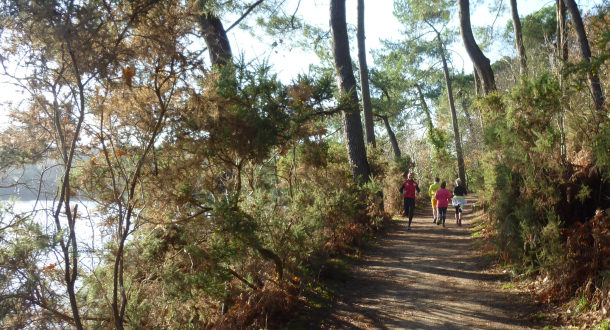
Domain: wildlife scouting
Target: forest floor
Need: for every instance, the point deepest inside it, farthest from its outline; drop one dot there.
(429, 278)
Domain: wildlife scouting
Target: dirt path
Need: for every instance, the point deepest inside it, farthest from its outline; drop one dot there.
(428, 278)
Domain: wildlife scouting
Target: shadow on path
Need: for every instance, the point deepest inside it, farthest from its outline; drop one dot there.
(428, 278)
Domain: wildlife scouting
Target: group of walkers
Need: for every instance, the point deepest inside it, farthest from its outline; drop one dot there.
(440, 197)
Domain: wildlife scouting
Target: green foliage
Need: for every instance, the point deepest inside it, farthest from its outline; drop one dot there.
(273, 219)
(439, 139)
(394, 177)
(404, 164)
(520, 123)
(411, 65)
(601, 148)
(417, 11)
(240, 193)
(314, 153)
(543, 177)
(24, 269)
(277, 25)
(251, 122)
(581, 306)
(551, 252)
(538, 31)
(524, 142)
(584, 193)
(538, 28)
(11, 156)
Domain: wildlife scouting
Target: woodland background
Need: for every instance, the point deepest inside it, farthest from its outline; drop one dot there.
(218, 196)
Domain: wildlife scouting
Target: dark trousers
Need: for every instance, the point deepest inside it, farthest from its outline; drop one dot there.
(409, 208)
(442, 213)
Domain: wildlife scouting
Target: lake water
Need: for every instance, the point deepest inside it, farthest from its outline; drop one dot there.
(90, 236)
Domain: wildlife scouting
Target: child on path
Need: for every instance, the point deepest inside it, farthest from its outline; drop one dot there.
(442, 197)
(408, 190)
(459, 191)
(431, 191)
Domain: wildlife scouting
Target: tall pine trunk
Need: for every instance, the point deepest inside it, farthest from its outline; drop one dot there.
(481, 63)
(562, 59)
(215, 38)
(391, 136)
(478, 89)
(364, 79)
(456, 130)
(518, 38)
(594, 84)
(424, 106)
(562, 31)
(352, 126)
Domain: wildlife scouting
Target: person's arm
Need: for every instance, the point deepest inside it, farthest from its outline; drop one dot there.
(417, 188)
(402, 187)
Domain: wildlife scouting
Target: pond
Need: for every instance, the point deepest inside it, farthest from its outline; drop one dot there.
(90, 236)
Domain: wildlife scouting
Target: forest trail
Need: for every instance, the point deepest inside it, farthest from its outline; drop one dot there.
(428, 278)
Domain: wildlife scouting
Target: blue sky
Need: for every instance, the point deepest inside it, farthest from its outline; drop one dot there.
(380, 23)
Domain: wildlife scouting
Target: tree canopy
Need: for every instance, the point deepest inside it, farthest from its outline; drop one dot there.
(179, 181)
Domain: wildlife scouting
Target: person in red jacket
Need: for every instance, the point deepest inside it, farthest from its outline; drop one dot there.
(442, 196)
(408, 190)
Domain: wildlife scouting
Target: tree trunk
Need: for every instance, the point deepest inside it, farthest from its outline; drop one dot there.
(478, 89)
(562, 31)
(392, 136)
(562, 59)
(424, 106)
(352, 126)
(518, 38)
(364, 79)
(68, 152)
(481, 63)
(216, 39)
(596, 89)
(456, 130)
(465, 109)
(219, 48)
